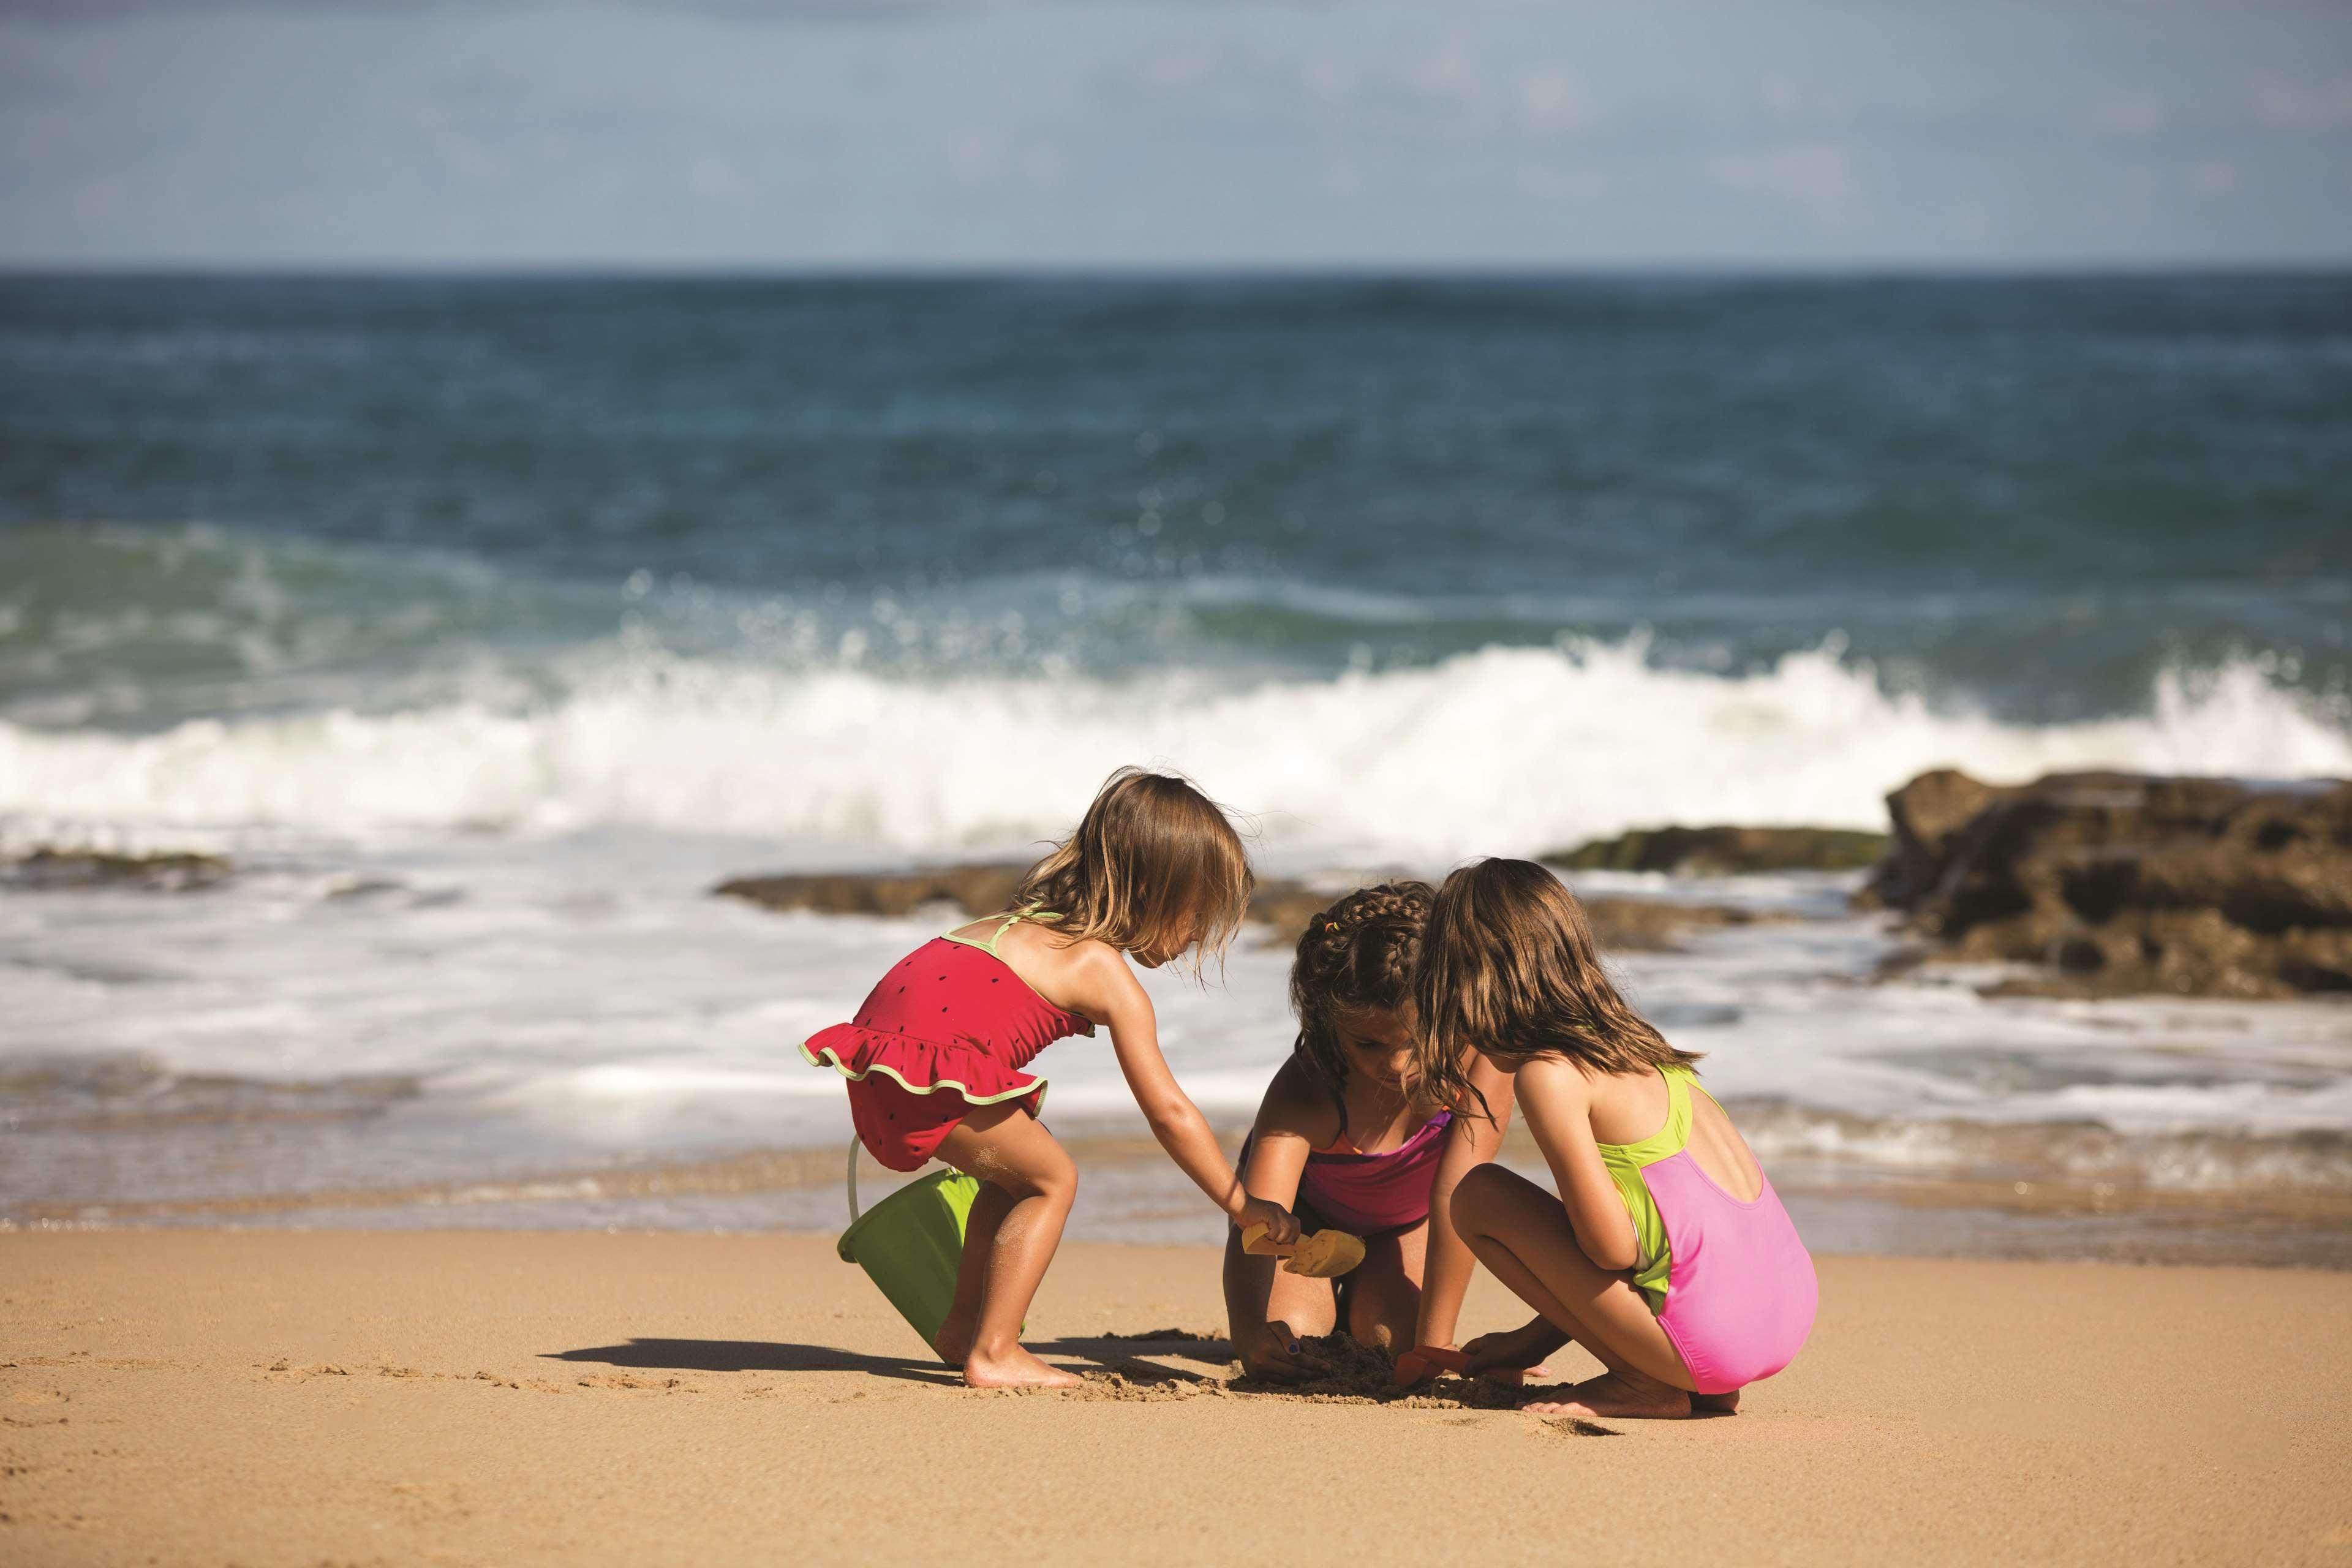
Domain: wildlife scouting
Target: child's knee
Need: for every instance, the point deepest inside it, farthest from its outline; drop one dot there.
(1474, 1196)
(1382, 1317)
(1054, 1179)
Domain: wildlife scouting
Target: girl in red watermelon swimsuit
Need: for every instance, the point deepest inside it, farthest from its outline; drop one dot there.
(935, 1057)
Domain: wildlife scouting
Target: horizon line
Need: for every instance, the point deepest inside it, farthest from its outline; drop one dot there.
(1851, 270)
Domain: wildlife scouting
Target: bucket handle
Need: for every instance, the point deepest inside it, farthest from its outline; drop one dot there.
(853, 1179)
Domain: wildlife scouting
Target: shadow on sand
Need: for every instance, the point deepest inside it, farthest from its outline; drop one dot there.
(1113, 1352)
(753, 1355)
(1106, 1353)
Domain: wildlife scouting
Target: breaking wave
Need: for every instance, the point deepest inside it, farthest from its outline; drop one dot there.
(1500, 749)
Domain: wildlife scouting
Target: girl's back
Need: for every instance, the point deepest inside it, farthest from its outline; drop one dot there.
(1630, 1108)
(1065, 973)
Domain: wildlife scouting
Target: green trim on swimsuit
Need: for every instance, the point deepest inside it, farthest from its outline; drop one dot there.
(1033, 913)
(829, 1058)
(1626, 1162)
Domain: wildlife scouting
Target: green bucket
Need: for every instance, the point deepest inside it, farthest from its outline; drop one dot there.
(911, 1243)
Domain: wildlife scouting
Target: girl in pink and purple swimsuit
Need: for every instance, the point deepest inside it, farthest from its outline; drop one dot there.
(1664, 1251)
(1340, 1139)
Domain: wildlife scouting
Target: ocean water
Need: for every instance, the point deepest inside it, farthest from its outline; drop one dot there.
(484, 624)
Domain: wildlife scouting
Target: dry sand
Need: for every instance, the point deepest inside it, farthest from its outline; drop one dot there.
(269, 1398)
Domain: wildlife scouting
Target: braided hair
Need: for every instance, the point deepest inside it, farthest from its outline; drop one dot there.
(1358, 956)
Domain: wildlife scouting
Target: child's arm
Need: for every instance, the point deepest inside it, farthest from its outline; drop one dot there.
(1292, 1120)
(1557, 1099)
(1103, 988)
(1470, 1143)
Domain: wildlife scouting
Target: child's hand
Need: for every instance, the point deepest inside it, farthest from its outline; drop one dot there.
(1281, 1224)
(1272, 1354)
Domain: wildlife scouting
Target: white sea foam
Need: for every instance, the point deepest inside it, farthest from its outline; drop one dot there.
(479, 1009)
(1500, 749)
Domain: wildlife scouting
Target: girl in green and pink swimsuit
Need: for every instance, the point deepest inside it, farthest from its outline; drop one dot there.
(1664, 1251)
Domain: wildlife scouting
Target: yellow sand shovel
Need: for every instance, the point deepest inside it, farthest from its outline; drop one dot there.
(1323, 1256)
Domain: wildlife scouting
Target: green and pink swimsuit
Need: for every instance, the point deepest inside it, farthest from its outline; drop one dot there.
(1730, 1281)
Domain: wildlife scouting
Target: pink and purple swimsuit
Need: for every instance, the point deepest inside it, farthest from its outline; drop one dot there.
(1371, 1195)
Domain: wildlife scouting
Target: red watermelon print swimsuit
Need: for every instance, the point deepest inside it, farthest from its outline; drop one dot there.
(950, 1027)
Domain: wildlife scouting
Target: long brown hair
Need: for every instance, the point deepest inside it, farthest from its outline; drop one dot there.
(1357, 956)
(1508, 968)
(1154, 864)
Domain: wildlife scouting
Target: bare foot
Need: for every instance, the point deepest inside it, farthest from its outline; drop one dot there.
(1015, 1369)
(1627, 1397)
(953, 1341)
(1715, 1403)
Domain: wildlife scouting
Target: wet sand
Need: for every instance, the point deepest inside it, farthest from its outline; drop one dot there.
(468, 1397)
(1135, 1196)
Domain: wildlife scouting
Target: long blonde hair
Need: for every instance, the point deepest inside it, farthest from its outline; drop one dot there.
(1508, 969)
(1153, 864)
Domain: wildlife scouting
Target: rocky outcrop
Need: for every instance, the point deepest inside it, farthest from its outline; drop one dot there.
(2116, 883)
(1286, 906)
(1657, 925)
(1282, 906)
(975, 889)
(1725, 851)
(52, 870)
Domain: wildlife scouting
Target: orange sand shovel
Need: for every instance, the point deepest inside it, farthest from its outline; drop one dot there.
(1422, 1360)
(1322, 1256)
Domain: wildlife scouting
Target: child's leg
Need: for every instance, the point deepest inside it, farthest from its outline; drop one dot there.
(1008, 1242)
(1384, 1289)
(1520, 1232)
(1259, 1294)
(989, 1208)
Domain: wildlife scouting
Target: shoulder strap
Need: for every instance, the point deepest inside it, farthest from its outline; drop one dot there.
(1343, 1144)
(1033, 913)
(998, 934)
(1678, 1106)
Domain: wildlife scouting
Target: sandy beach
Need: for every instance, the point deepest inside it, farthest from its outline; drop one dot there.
(305, 1397)
(553, 555)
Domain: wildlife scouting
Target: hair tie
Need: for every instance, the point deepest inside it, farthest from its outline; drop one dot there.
(1330, 925)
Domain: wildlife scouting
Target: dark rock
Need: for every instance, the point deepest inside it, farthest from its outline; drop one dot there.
(975, 889)
(1927, 813)
(1619, 924)
(2118, 883)
(1657, 925)
(1286, 906)
(1282, 905)
(53, 870)
(1725, 850)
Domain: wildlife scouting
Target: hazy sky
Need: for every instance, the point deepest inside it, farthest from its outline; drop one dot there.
(1945, 132)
